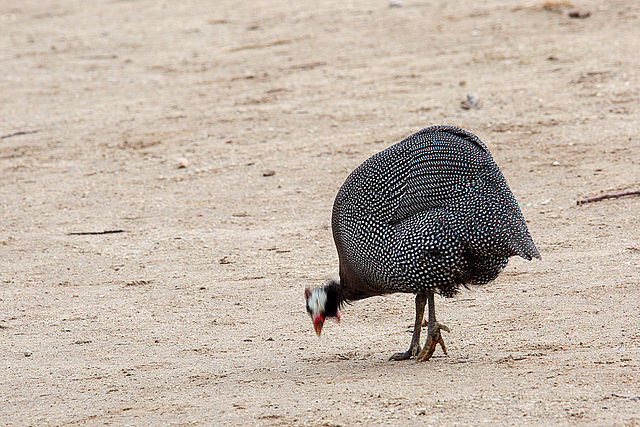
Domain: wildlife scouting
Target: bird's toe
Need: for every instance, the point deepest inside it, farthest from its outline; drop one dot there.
(434, 338)
(401, 356)
(412, 352)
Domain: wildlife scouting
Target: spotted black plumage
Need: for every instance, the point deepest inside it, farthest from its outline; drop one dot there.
(426, 215)
(430, 212)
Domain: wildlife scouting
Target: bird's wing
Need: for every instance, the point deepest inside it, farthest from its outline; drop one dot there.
(448, 169)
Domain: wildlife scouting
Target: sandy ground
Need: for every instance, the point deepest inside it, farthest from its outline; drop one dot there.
(210, 138)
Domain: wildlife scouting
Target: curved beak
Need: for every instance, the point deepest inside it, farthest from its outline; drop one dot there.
(318, 321)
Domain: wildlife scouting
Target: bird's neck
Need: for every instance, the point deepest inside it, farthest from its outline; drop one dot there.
(335, 298)
(353, 286)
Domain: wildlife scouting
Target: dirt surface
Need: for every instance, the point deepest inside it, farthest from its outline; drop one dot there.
(208, 138)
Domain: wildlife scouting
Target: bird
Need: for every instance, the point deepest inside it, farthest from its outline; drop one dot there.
(427, 215)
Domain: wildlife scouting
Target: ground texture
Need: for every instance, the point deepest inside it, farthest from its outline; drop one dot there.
(208, 138)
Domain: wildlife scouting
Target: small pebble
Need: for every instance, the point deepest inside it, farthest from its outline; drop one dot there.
(268, 173)
(471, 102)
(182, 162)
(579, 14)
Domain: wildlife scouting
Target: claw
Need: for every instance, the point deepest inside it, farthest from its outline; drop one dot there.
(406, 355)
(435, 338)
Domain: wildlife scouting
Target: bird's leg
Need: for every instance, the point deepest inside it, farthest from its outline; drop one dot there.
(414, 347)
(433, 328)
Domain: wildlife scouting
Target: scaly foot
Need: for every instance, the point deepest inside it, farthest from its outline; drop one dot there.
(412, 352)
(433, 340)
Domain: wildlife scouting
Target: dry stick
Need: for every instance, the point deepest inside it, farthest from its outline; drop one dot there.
(261, 45)
(93, 233)
(21, 132)
(607, 196)
(307, 66)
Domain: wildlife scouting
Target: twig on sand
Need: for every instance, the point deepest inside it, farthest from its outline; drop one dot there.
(607, 196)
(261, 45)
(93, 233)
(20, 132)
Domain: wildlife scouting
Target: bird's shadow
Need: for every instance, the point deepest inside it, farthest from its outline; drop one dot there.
(356, 363)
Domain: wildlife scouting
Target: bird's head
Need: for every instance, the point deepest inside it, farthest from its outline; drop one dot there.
(322, 303)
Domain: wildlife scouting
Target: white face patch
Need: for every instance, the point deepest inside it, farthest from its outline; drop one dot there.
(317, 301)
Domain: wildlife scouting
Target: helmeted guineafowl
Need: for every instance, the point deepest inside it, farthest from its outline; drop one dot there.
(426, 215)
